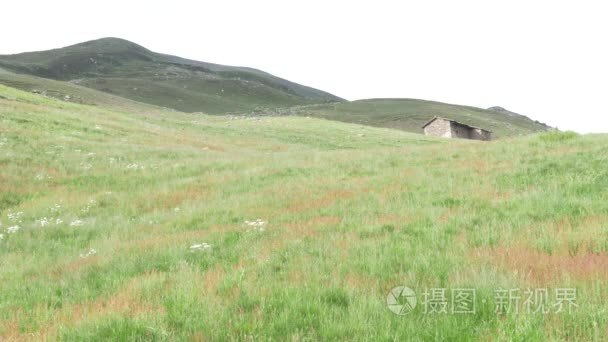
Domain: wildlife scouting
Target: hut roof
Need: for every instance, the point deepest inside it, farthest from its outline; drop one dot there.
(460, 123)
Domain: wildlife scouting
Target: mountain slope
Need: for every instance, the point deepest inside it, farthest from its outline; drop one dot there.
(410, 114)
(126, 69)
(506, 112)
(73, 93)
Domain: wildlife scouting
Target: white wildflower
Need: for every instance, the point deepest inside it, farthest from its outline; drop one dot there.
(58, 221)
(55, 208)
(176, 210)
(89, 206)
(43, 222)
(89, 253)
(1, 237)
(135, 166)
(76, 223)
(15, 217)
(97, 127)
(257, 225)
(200, 246)
(13, 229)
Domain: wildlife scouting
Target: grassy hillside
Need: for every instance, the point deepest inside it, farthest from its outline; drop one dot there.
(410, 114)
(132, 226)
(73, 93)
(126, 69)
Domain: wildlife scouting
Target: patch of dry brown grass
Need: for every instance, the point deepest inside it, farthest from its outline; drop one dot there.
(326, 200)
(167, 239)
(72, 267)
(311, 228)
(573, 255)
(170, 200)
(538, 267)
(126, 301)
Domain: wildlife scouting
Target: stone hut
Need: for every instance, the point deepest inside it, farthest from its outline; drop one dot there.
(446, 128)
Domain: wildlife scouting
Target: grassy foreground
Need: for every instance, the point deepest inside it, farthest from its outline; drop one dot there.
(133, 227)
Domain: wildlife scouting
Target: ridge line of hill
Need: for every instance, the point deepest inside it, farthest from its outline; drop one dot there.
(127, 70)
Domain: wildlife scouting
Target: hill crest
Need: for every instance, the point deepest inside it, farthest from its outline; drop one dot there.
(124, 68)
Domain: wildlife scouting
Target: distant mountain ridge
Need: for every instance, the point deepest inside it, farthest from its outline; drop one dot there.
(502, 110)
(123, 68)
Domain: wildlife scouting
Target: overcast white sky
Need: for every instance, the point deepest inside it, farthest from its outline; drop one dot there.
(544, 59)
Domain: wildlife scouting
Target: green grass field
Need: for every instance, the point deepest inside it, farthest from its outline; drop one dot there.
(121, 224)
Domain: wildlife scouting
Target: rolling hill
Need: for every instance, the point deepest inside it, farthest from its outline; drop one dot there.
(86, 73)
(126, 69)
(122, 226)
(410, 114)
(73, 93)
